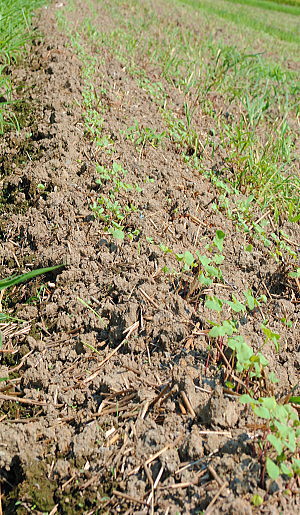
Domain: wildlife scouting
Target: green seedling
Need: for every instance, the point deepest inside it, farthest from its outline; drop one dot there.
(207, 271)
(87, 305)
(256, 500)
(165, 249)
(271, 336)
(214, 303)
(281, 438)
(140, 136)
(39, 295)
(253, 302)
(117, 231)
(226, 328)
(219, 240)
(91, 348)
(236, 305)
(187, 259)
(246, 360)
(286, 322)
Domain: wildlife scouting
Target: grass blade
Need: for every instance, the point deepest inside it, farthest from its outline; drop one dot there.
(17, 279)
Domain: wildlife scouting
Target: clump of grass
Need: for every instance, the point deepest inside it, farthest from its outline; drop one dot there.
(15, 32)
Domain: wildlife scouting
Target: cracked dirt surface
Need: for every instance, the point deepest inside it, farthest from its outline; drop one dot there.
(128, 411)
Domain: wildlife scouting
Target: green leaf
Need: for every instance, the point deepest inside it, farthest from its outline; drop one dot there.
(295, 275)
(236, 305)
(291, 443)
(206, 281)
(291, 413)
(165, 249)
(251, 301)
(118, 234)
(262, 298)
(188, 258)
(218, 259)
(213, 271)
(276, 442)
(257, 500)
(269, 402)
(261, 359)
(229, 327)
(286, 470)
(296, 466)
(249, 248)
(280, 413)
(219, 239)
(274, 337)
(204, 260)
(262, 412)
(214, 303)
(17, 279)
(272, 377)
(242, 349)
(216, 331)
(246, 399)
(272, 469)
(229, 385)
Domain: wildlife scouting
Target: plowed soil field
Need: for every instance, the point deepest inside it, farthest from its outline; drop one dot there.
(116, 395)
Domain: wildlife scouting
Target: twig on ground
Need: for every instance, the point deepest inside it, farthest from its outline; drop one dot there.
(215, 475)
(128, 497)
(149, 298)
(139, 373)
(111, 354)
(129, 331)
(165, 390)
(208, 510)
(28, 401)
(164, 449)
(151, 495)
(223, 433)
(188, 465)
(16, 368)
(54, 510)
(187, 404)
(185, 484)
(66, 483)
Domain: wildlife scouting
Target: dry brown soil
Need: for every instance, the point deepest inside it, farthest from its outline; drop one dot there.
(127, 413)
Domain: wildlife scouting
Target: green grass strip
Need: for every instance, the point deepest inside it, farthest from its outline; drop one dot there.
(243, 19)
(293, 9)
(15, 32)
(287, 2)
